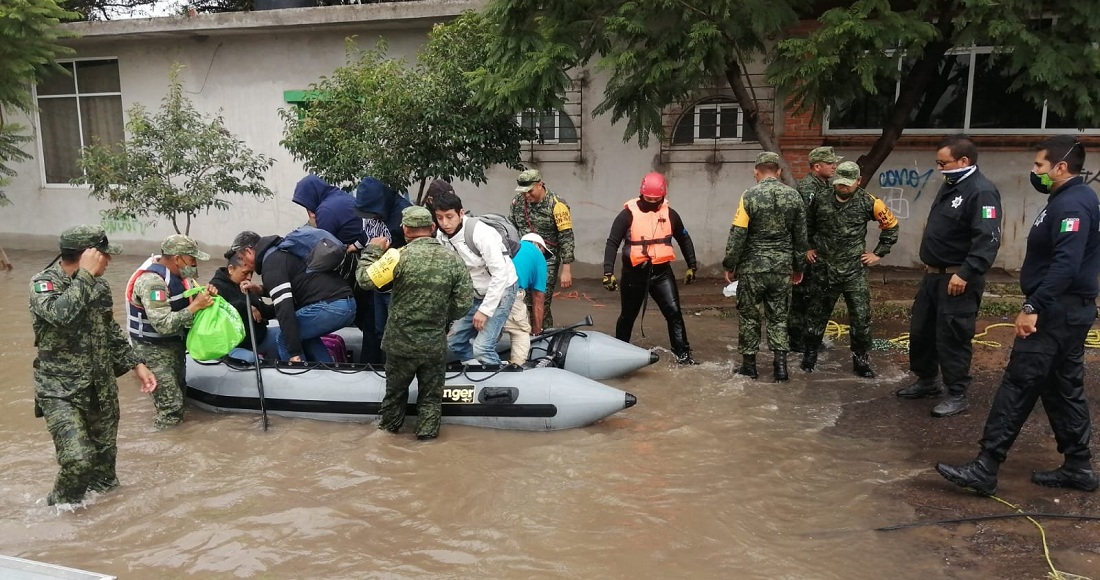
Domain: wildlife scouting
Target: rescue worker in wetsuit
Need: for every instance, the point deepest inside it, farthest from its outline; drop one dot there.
(648, 225)
(1058, 280)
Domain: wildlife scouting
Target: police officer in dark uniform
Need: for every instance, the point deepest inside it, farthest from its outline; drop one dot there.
(960, 242)
(1058, 278)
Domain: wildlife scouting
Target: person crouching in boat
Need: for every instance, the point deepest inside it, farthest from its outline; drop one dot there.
(431, 289)
(232, 281)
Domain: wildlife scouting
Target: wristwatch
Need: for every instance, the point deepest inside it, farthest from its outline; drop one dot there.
(1029, 309)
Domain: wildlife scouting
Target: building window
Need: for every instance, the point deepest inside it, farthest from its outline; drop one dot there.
(970, 94)
(551, 127)
(75, 110)
(714, 120)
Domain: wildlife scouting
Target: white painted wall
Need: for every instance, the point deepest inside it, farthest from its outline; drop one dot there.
(243, 74)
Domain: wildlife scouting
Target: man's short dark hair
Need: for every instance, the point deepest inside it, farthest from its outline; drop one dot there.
(768, 167)
(446, 200)
(1065, 148)
(960, 146)
(243, 241)
(70, 256)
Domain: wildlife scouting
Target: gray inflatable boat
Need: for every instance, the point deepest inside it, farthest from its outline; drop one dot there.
(531, 399)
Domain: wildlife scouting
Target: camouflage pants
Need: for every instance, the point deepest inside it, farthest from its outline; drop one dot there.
(84, 429)
(166, 360)
(774, 292)
(857, 297)
(429, 374)
(802, 296)
(552, 267)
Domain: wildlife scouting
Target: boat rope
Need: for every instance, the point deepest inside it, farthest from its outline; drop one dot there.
(1053, 574)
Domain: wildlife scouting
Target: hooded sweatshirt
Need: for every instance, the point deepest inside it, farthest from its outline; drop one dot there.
(374, 197)
(335, 209)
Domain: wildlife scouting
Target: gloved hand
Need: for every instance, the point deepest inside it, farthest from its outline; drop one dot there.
(689, 276)
(610, 283)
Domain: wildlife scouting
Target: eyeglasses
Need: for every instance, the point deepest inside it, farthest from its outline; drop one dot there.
(942, 164)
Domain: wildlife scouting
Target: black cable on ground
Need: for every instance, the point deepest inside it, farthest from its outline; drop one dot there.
(989, 517)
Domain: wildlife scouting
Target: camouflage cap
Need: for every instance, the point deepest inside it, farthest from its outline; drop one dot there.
(527, 180)
(87, 236)
(416, 216)
(847, 173)
(824, 155)
(767, 157)
(181, 245)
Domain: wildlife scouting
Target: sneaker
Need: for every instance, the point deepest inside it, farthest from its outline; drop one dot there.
(951, 405)
(921, 389)
(1080, 478)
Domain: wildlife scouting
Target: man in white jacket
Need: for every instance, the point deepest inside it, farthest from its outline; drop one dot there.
(494, 278)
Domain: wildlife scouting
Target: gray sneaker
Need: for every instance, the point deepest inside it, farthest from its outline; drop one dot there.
(951, 405)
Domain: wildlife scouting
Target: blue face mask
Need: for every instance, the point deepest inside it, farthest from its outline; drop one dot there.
(953, 176)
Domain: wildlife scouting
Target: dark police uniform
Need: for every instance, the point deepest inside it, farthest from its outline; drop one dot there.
(1059, 279)
(962, 237)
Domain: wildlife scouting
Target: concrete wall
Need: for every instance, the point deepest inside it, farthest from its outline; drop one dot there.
(242, 63)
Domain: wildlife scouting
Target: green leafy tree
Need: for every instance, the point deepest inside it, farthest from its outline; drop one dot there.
(855, 52)
(657, 53)
(29, 36)
(174, 164)
(404, 124)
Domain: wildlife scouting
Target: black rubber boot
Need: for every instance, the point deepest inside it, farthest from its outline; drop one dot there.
(779, 366)
(1082, 478)
(748, 366)
(921, 389)
(861, 365)
(809, 360)
(979, 475)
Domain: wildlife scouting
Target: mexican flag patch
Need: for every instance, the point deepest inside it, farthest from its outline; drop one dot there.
(158, 296)
(43, 286)
(1070, 225)
(989, 212)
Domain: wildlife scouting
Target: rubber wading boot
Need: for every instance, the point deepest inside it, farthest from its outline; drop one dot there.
(748, 366)
(979, 475)
(950, 405)
(809, 360)
(921, 389)
(779, 365)
(861, 365)
(1081, 478)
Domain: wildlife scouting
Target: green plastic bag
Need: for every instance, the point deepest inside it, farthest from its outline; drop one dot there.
(215, 331)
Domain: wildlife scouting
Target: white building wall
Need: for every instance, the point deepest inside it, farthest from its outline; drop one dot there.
(244, 73)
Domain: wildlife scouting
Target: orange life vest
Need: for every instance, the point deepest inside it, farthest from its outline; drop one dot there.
(650, 235)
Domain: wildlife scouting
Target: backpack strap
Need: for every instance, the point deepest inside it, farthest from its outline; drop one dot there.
(468, 234)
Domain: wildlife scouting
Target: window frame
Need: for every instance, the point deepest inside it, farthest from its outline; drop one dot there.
(973, 52)
(79, 117)
(719, 108)
(537, 127)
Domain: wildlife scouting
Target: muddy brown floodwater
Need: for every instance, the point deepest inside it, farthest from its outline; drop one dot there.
(709, 476)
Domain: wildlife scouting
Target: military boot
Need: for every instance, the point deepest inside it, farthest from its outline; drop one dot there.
(748, 366)
(861, 365)
(779, 365)
(809, 360)
(1082, 478)
(979, 475)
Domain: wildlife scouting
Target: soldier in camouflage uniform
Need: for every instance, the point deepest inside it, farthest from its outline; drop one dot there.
(431, 289)
(816, 184)
(81, 351)
(765, 253)
(535, 209)
(159, 315)
(837, 229)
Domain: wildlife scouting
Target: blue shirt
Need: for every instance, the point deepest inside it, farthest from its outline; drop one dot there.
(530, 267)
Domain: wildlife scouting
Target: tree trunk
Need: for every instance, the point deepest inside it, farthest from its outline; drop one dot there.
(913, 86)
(765, 132)
(5, 263)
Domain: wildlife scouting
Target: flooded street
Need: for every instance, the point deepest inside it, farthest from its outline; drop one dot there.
(709, 476)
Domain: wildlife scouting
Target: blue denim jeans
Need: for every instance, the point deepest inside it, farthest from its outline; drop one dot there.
(316, 320)
(266, 347)
(484, 347)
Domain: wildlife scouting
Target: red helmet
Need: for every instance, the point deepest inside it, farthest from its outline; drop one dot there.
(653, 185)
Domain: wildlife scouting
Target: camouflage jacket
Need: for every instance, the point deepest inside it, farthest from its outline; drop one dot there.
(549, 218)
(838, 231)
(812, 187)
(79, 343)
(160, 313)
(768, 232)
(431, 289)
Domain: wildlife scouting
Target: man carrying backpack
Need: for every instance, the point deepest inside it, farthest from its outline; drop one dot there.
(308, 303)
(494, 277)
(537, 210)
